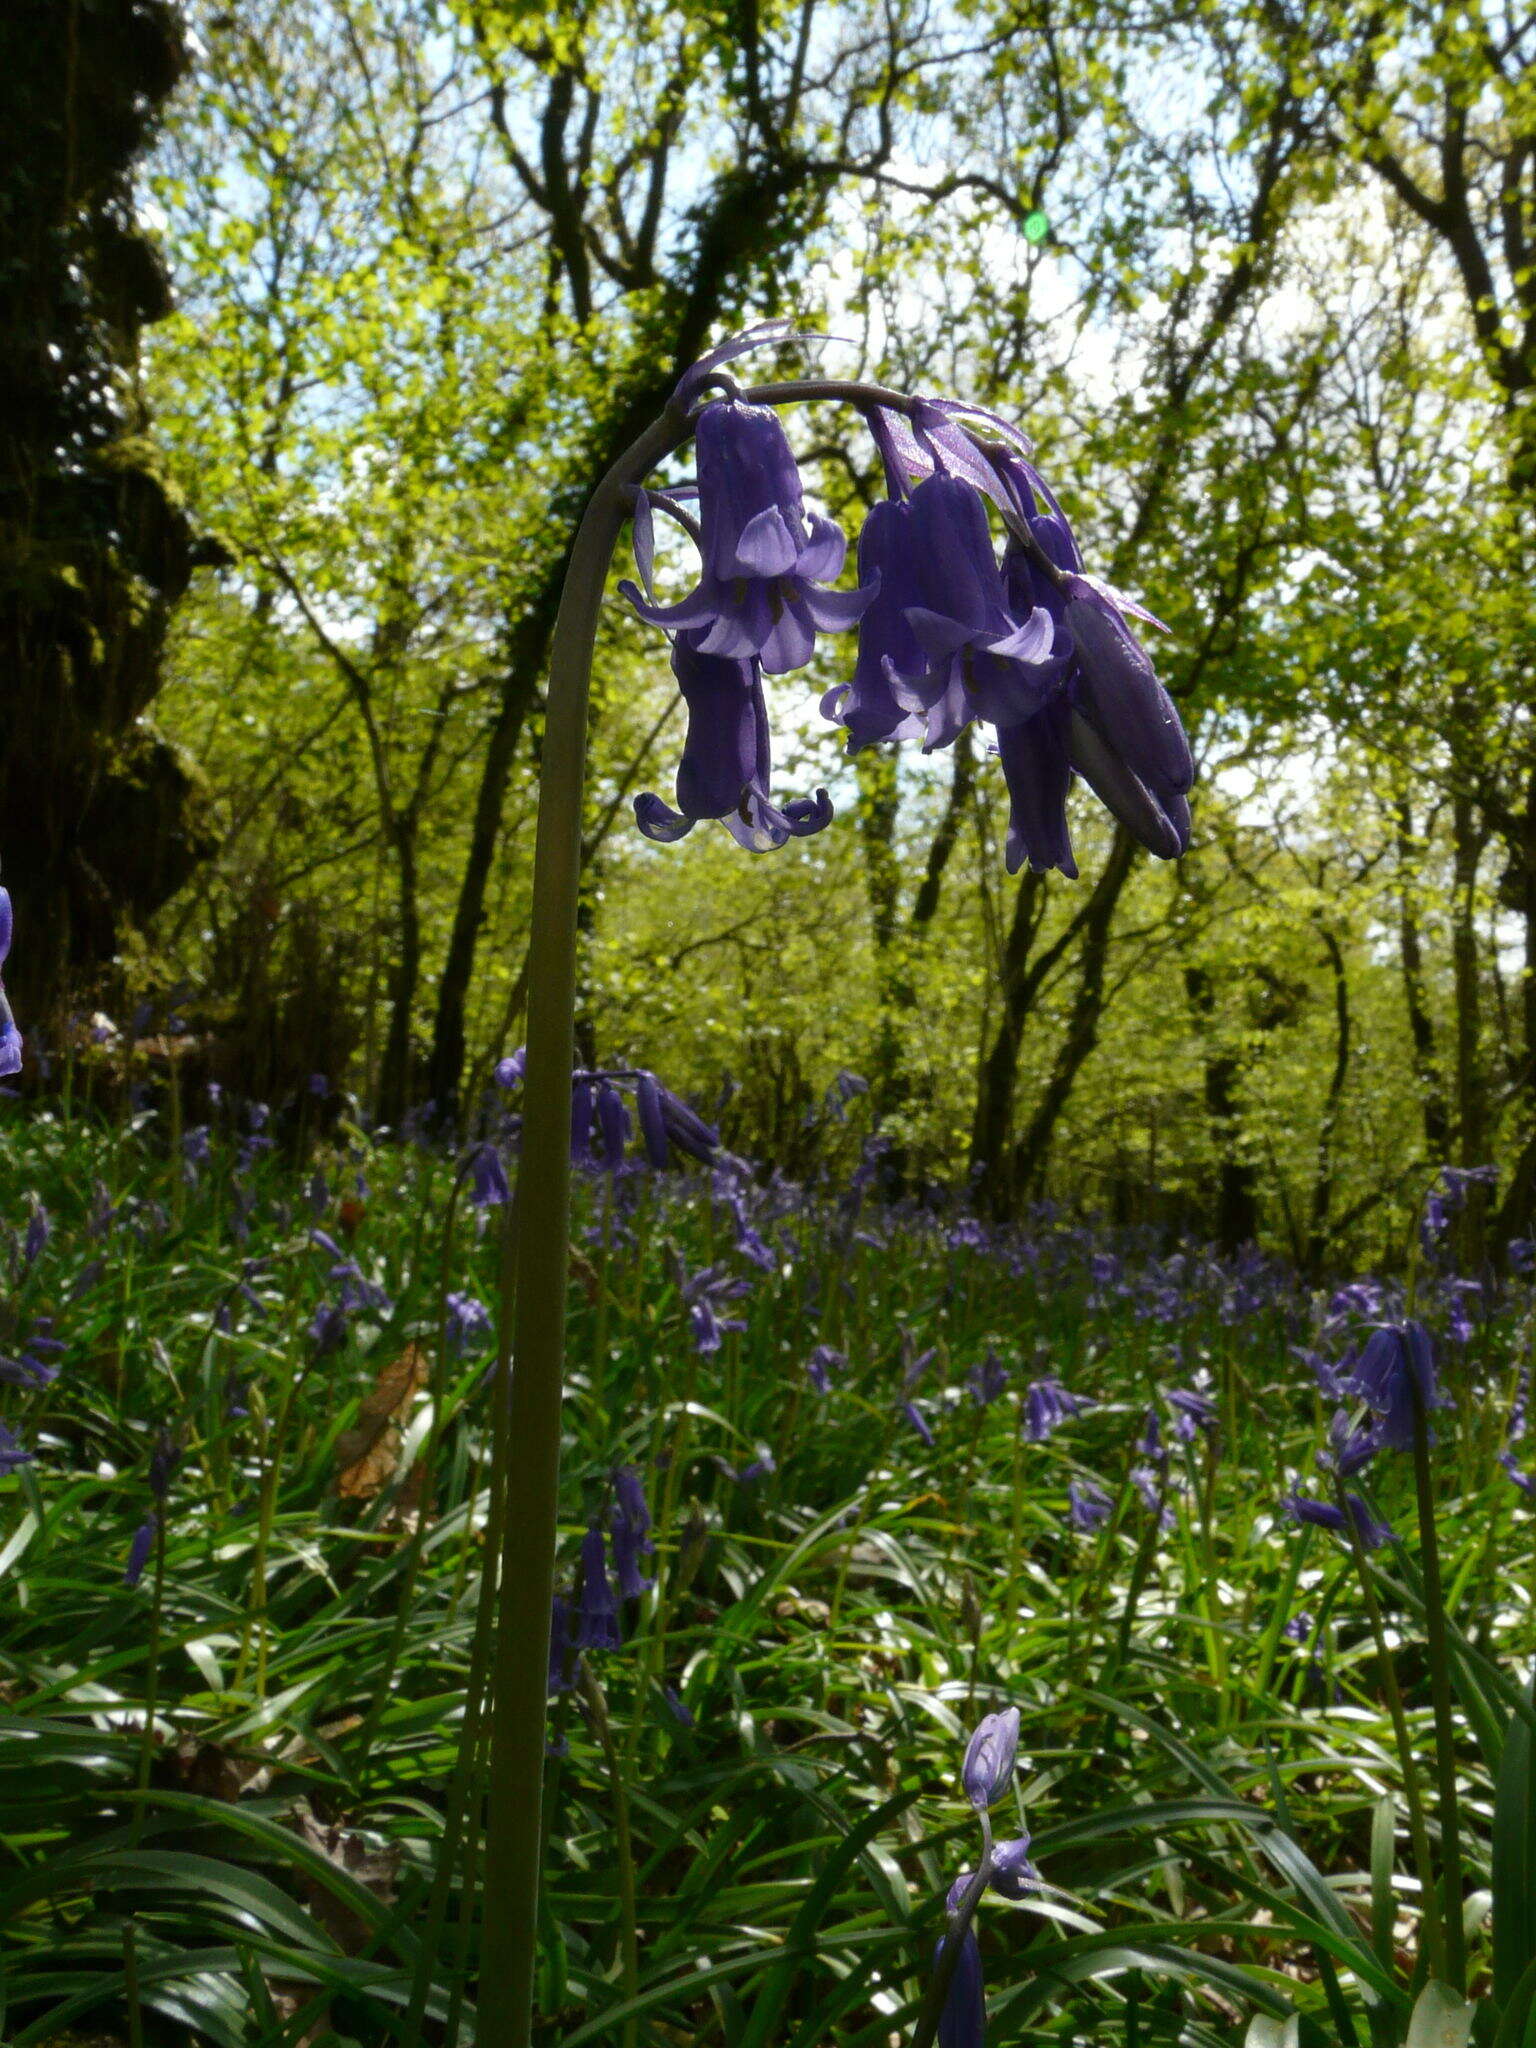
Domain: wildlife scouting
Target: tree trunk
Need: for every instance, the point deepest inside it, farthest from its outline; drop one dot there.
(1027, 1164)
(1325, 1176)
(395, 1078)
(1236, 1221)
(1437, 1122)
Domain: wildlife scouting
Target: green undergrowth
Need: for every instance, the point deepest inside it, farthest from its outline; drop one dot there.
(239, 1798)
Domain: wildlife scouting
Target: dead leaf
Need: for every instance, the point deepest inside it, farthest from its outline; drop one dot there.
(368, 1454)
(374, 1865)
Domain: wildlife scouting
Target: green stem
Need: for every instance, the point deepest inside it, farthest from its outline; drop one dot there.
(1418, 1832)
(527, 1575)
(152, 1678)
(624, 1855)
(526, 1588)
(1440, 1693)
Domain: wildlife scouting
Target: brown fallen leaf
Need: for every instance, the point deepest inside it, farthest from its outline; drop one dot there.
(375, 1867)
(368, 1454)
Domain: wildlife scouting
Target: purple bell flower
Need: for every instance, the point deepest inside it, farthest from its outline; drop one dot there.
(979, 661)
(1396, 1372)
(488, 1177)
(963, 2022)
(39, 1230)
(821, 1365)
(1013, 1875)
(727, 759)
(597, 1617)
(1088, 1506)
(1324, 1514)
(888, 562)
(1192, 1412)
(990, 1757)
(11, 1453)
(560, 1645)
(467, 1322)
(139, 1550)
(919, 1422)
(1047, 1404)
(10, 1037)
(758, 597)
(987, 1380)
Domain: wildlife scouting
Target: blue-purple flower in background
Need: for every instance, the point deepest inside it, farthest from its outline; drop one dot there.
(10, 1037)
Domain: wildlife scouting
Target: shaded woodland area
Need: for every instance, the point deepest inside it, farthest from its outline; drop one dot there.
(278, 567)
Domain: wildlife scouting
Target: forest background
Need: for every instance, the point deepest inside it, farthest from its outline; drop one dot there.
(1259, 279)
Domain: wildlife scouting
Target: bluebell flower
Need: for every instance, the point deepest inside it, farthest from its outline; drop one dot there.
(677, 1706)
(1524, 1480)
(758, 595)
(1396, 1372)
(1088, 1506)
(1299, 1628)
(34, 1367)
(39, 1230)
(1350, 1448)
(821, 1365)
(919, 1422)
(613, 1127)
(889, 562)
(626, 1558)
(987, 1380)
(963, 2022)
(1323, 1514)
(12, 1454)
(703, 1295)
(10, 1037)
(597, 1616)
(990, 1757)
(488, 1178)
(140, 1550)
(915, 1363)
(977, 659)
(1150, 1443)
(1193, 1411)
(631, 1532)
(467, 1322)
(1013, 1875)
(509, 1072)
(727, 759)
(1047, 1405)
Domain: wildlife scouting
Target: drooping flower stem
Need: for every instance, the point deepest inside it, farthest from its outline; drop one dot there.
(527, 1562)
(1440, 1692)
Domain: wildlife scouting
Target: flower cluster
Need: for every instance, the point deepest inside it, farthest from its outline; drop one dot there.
(948, 634)
(603, 1124)
(1394, 1376)
(588, 1618)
